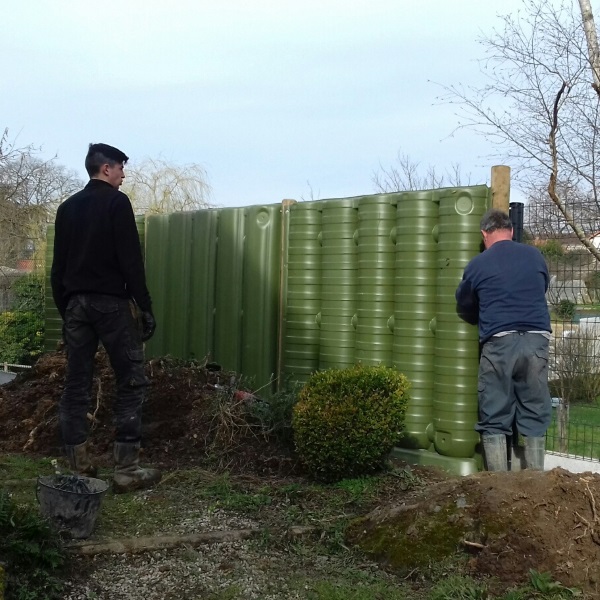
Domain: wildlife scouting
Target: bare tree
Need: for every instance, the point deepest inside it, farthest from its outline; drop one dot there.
(158, 186)
(540, 106)
(30, 191)
(408, 175)
(589, 27)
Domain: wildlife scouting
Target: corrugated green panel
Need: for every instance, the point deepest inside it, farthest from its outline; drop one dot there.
(52, 318)
(376, 260)
(303, 301)
(140, 223)
(202, 284)
(455, 405)
(416, 272)
(229, 281)
(157, 245)
(177, 279)
(339, 280)
(260, 293)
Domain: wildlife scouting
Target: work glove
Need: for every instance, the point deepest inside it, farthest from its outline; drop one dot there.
(148, 325)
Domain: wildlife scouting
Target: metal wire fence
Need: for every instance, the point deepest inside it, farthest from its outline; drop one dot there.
(574, 302)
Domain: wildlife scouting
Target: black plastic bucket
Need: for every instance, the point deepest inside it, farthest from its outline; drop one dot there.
(73, 513)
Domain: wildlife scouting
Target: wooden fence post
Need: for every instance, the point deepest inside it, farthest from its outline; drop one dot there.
(501, 187)
(286, 206)
(562, 422)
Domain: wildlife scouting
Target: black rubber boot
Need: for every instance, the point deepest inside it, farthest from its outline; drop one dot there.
(535, 450)
(79, 461)
(494, 448)
(129, 476)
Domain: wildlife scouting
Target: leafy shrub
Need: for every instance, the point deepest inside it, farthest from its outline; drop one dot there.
(31, 553)
(552, 249)
(565, 310)
(29, 293)
(274, 413)
(21, 337)
(347, 420)
(22, 328)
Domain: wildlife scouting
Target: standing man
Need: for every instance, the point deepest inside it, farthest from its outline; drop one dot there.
(503, 289)
(98, 285)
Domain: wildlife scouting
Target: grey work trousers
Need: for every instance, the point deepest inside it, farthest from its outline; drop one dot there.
(513, 385)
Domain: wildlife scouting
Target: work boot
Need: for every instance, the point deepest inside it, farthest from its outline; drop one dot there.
(129, 476)
(79, 461)
(535, 450)
(517, 455)
(494, 448)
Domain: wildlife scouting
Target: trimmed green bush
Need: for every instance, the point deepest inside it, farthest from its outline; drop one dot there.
(346, 421)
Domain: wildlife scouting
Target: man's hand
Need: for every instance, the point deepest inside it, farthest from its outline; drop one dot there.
(148, 325)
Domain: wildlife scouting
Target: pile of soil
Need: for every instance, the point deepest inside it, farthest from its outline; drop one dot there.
(194, 414)
(509, 523)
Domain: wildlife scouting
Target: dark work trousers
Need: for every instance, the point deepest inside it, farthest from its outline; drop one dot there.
(513, 385)
(90, 318)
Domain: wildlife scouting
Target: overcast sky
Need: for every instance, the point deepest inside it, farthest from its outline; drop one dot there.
(274, 99)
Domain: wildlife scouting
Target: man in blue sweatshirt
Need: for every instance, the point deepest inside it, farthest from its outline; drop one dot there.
(98, 284)
(503, 290)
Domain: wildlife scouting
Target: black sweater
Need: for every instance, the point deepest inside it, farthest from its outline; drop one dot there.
(97, 247)
(504, 289)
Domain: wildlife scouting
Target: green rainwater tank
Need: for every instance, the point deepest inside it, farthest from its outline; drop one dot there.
(229, 281)
(376, 266)
(455, 405)
(339, 283)
(202, 285)
(303, 295)
(260, 293)
(157, 238)
(414, 338)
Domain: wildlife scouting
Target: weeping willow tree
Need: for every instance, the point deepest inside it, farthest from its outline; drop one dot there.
(157, 186)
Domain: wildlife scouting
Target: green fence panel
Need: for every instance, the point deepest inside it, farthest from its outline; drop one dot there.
(303, 294)
(415, 309)
(260, 293)
(339, 283)
(201, 323)
(376, 267)
(158, 238)
(368, 279)
(456, 342)
(174, 298)
(228, 287)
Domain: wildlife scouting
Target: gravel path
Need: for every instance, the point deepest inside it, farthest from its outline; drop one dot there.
(219, 571)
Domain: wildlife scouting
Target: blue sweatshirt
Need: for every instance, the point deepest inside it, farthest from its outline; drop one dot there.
(504, 289)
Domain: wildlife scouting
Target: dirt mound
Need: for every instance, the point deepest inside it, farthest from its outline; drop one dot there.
(191, 413)
(509, 522)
